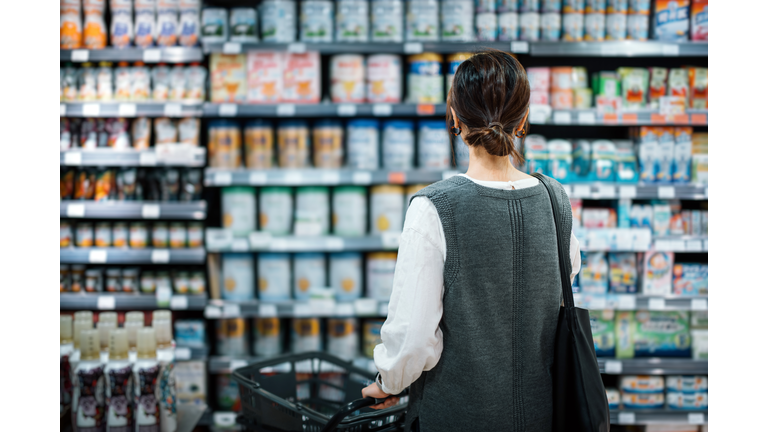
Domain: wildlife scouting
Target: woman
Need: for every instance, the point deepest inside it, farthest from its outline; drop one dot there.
(476, 296)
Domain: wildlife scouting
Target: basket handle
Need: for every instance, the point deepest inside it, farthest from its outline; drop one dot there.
(349, 409)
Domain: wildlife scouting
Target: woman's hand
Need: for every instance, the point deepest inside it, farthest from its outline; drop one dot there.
(374, 392)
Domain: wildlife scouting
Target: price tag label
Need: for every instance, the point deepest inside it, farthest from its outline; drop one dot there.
(105, 302)
(656, 303)
(237, 364)
(413, 48)
(670, 50)
(172, 110)
(345, 309)
(627, 302)
(308, 228)
(279, 244)
(222, 179)
(390, 239)
(259, 239)
(696, 418)
(76, 210)
(396, 177)
(382, 109)
(582, 191)
(677, 245)
(538, 116)
(627, 418)
(365, 306)
(598, 303)
(361, 177)
(519, 47)
(334, 244)
(694, 246)
(257, 178)
(586, 118)
(98, 256)
(293, 178)
(609, 49)
(699, 304)
(383, 309)
(126, 110)
(663, 245)
(161, 256)
(230, 310)
(239, 245)
(218, 239)
(627, 192)
(151, 55)
(346, 110)
(183, 353)
(79, 55)
(179, 302)
(73, 158)
(286, 110)
(91, 110)
(562, 117)
(227, 110)
(224, 419)
(298, 48)
(301, 310)
(212, 312)
(666, 192)
(267, 310)
(606, 191)
(62, 110)
(322, 307)
(330, 178)
(425, 109)
(613, 367)
(147, 158)
(150, 211)
(232, 48)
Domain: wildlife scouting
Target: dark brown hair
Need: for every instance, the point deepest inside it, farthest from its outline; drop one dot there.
(490, 94)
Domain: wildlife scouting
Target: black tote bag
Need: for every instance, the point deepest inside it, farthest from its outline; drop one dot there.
(579, 400)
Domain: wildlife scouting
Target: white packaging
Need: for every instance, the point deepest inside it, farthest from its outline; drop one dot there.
(380, 275)
(238, 206)
(687, 401)
(530, 25)
(594, 27)
(347, 78)
(387, 21)
(146, 371)
(145, 29)
(509, 28)
(104, 81)
(189, 22)
(456, 20)
(616, 26)
(700, 344)
(422, 23)
(386, 208)
(573, 27)
(384, 76)
(486, 26)
(398, 145)
(350, 211)
(274, 276)
(346, 275)
(178, 83)
(352, 21)
(637, 27)
(242, 25)
(434, 145)
(268, 337)
(278, 21)
(343, 338)
(687, 383)
(87, 395)
(308, 273)
(215, 26)
(121, 25)
(70, 24)
(316, 21)
(237, 276)
(550, 26)
(276, 215)
(167, 22)
(265, 76)
(312, 211)
(363, 144)
(118, 389)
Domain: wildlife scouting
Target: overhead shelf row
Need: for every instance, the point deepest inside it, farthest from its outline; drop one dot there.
(109, 301)
(131, 256)
(163, 155)
(133, 210)
(146, 55)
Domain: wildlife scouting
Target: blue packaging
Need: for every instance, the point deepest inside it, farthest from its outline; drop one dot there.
(662, 216)
(690, 279)
(662, 334)
(647, 151)
(623, 272)
(594, 273)
(616, 6)
(626, 163)
(560, 160)
(641, 216)
(582, 159)
(595, 6)
(665, 154)
(190, 333)
(536, 155)
(603, 160)
(681, 162)
(573, 6)
(529, 5)
(507, 6)
(624, 210)
(551, 6)
(671, 20)
(642, 7)
(687, 401)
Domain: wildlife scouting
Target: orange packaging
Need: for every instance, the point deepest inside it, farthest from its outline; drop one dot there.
(561, 78)
(301, 78)
(228, 78)
(699, 87)
(104, 185)
(95, 31)
(70, 24)
(561, 99)
(265, 76)
(699, 20)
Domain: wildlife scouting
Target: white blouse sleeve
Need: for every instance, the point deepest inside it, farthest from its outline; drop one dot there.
(575, 257)
(411, 338)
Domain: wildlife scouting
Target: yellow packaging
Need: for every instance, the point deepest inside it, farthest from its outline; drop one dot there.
(228, 78)
(293, 144)
(224, 143)
(70, 25)
(95, 31)
(327, 140)
(259, 145)
(371, 335)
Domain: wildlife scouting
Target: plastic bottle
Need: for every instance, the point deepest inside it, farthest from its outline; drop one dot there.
(189, 22)
(70, 24)
(105, 327)
(121, 25)
(167, 26)
(88, 391)
(146, 371)
(145, 23)
(161, 323)
(95, 30)
(66, 347)
(119, 383)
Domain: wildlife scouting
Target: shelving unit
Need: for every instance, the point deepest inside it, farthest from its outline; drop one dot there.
(127, 302)
(653, 366)
(156, 156)
(660, 416)
(221, 241)
(362, 308)
(134, 210)
(130, 109)
(640, 302)
(146, 55)
(131, 256)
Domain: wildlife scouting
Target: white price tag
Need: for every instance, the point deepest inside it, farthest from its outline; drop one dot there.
(562, 117)
(257, 178)
(218, 239)
(151, 55)
(179, 302)
(237, 364)
(79, 55)
(662, 245)
(361, 177)
(345, 309)
(365, 306)
(666, 192)
(279, 244)
(334, 244)
(231, 310)
(105, 302)
(98, 256)
(62, 110)
(699, 304)
(232, 48)
(383, 309)
(240, 245)
(212, 312)
(381, 109)
(346, 110)
(582, 191)
(519, 47)
(172, 110)
(147, 158)
(627, 191)
(390, 239)
(656, 303)
(293, 178)
(694, 246)
(670, 50)
(227, 110)
(76, 210)
(538, 117)
(161, 256)
(330, 177)
(259, 239)
(308, 228)
(624, 239)
(606, 191)
(626, 418)
(267, 310)
(150, 211)
(413, 48)
(286, 110)
(301, 310)
(73, 158)
(608, 49)
(298, 48)
(91, 110)
(598, 302)
(224, 419)
(586, 118)
(183, 353)
(677, 245)
(696, 418)
(322, 307)
(627, 302)
(613, 367)
(126, 110)
(222, 179)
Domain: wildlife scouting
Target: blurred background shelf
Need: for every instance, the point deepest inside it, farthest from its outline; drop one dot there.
(156, 156)
(127, 302)
(131, 256)
(130, 109)
(133, 210)
(146, 55)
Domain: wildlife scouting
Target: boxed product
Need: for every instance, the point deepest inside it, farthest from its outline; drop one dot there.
(301, 77)
(657, 272)
(665, 154)
(679, 83)
(598, 218)
(687, 383)
(662, 216)
(190, 333)
(603, 160)
(699, 320)
(614, 397)
(671, 22)
(657, 87)
(594, 273)
(190, 382)
(536, 154)
(652, 334)
(228, 78)
(699, 88)
(700, 344)
(623, 209)
(690, 279)
(560, 160)
(687, 401)
(699, 20)
(623, 272)
(647, 152)
(265, 76)
(582, 159)
(603, 332)
(642, 384)
(641, 216)
(681, 163)
(626, 163)
(634, 87)
(642, 400)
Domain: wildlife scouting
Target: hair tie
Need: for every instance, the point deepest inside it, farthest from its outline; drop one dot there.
(490, 125)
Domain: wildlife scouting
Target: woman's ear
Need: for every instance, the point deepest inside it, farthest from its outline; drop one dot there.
(521, 125)
(455, 119)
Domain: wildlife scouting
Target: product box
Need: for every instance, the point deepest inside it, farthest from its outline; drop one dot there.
(301, 77)
(190, 382)
(665, 154)
(614, 397)
(623, 210)
(641, 216)
(642, 400)
(597, 218)
(560, 160)
(657, 86)
(653, 334)
(699, 88)
(623, 272)
(626, 163)
(538, 78)
(699, 320)
(687, 401)
(582, 159)
(700, 344)
(690, 279)
(634, 87)
(681, 162)
(603, 161)
(687, 383)
(662, 214)
(657, 272)
(678, 83)
(699, 20)
(265, 76)
(603, 332)
(228, 78)
(594, 273)
(671, 20)
(648, 154)
(641, 384)
(190, 333)
(537, 154)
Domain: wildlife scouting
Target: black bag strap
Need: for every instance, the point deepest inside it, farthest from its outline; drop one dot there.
(562, 254)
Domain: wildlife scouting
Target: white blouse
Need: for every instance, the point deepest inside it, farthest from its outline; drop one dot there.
(411, 338)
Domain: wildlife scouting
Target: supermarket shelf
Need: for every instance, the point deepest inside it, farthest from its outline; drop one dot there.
(226, 364)
(659, 416)
(105, 301)
(685, 243)
(545, 115)
(219, 240)
(363, 307)
(191, 354)
(653, 366)
(131, 256)
(631, 302)
(130, 109)
(163, 155)
(148, 55)
(189, 416)
(330, 177)
(619, 49)
(636, 240)
(323, 110)
(630, 191)
(133, 210)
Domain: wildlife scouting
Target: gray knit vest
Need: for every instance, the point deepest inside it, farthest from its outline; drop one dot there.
(500, 309)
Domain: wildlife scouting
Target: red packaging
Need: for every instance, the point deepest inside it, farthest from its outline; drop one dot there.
(699, 20)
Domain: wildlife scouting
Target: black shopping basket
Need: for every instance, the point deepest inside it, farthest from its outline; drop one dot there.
(311, 392)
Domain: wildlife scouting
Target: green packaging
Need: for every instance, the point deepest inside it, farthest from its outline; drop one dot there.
(634, 87)
(603, 332)
(653, 334)
(606, 83)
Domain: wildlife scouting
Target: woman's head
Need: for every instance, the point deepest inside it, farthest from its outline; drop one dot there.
(489, 96)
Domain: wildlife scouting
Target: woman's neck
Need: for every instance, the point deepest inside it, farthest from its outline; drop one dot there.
(483, 166)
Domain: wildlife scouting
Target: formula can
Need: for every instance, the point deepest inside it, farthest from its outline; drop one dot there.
(327, 141)
(573, 27)
(384, 78)
(268, 337)
(195, 234)
(293, 144)
(181, 282)
(84, 236)
(371, 335)
(138, 235)
(305, 335)
(278, 21)
(352, 21)
(347, 78)
(147, 282)
(622, 6)
(422, 20)
(238, 210)
(65, 234)
(380, 274)
(276, 210)
(509, 27)
(242, 25)
(398, 145)
(112, 281)
(425, 80)
(434, 145)
(259, 145)
(237, 276)
(387, 21)
(486, 26)
(231, 337)
(103, 234)
(550, 6)
(595, 6)
(550, 26)
(197, 282)
(312, 211)
(130, 280)
(637, 27)
(616, 26)
(64, 281)
(573, 6)
(530, 5)
(508, 6)
(316, 21)
(160, 237)
(350, 211)
(454, 60)
(346, 275)
(363, 144)
(343, 338)
(214, 25)
(386, 208)
(94, 280)
(308, 272)
(456, 20)
(78, 278)
(224, 142)
(178, 235)
(265, 76)
(530, 26)
(274, 277)
(119, 234)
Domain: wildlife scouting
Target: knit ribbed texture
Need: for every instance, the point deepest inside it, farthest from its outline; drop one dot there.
(500, 307)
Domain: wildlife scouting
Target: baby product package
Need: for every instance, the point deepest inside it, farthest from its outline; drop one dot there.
(582, 160)
(642, 384)
(690, 279)
(687, 401)
(687, 383)
(560, 160)
(603, 160)
(699, 88)
(662, 215)
(228, 78)
(657, 86)
(594, 273)
(641, 216)
(665, 154)
(603, 333)
(626, 163)
(670, 22)
(653, 334)
(657, 273)
(681, 164)
(647, 152)
(301, 79)
(614, 397)
(700, 344)
(642, 400)
(265, 76)
(623, 272)
(699, 20)
(537, 155)
(634, 87)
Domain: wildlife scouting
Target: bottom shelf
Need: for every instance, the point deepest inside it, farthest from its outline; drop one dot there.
(658, 416)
